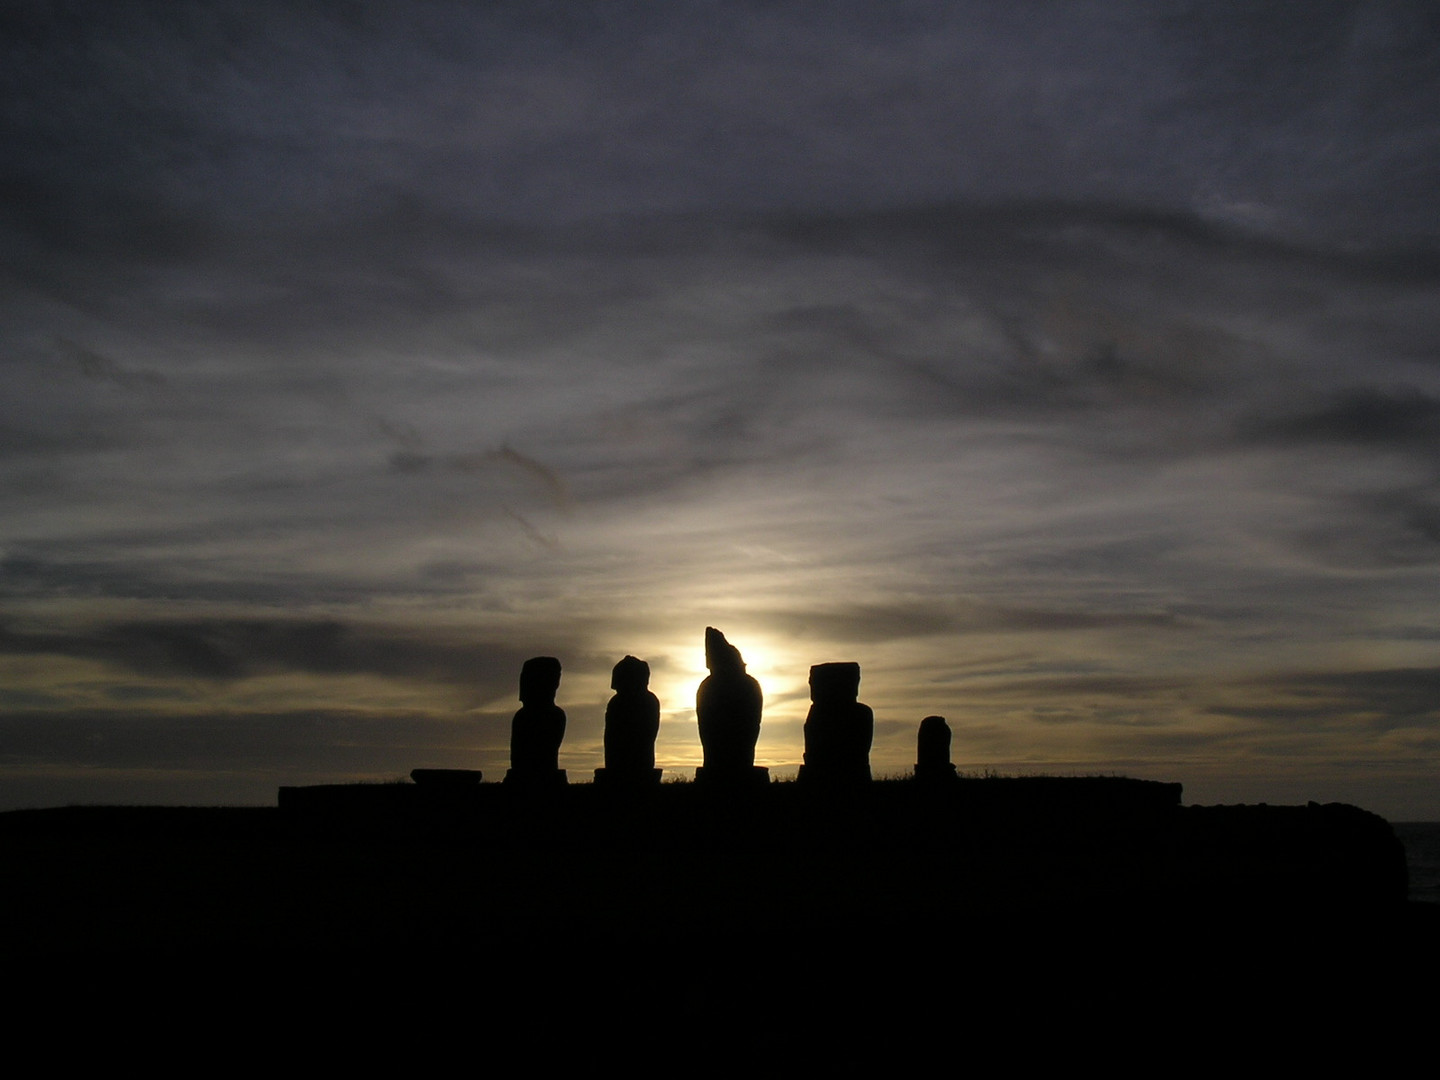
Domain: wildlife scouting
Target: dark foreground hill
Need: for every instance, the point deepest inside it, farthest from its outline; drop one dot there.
(1013, 921)
(784, 923)
(893, 870)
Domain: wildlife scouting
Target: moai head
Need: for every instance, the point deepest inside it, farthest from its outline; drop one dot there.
(539, 680)
(833, 684)
(722, 658)
(630, 676)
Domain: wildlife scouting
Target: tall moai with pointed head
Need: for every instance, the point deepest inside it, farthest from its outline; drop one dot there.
(932, 750)
(727, 706)
(539, 726)
(632, 721)
(838, 729)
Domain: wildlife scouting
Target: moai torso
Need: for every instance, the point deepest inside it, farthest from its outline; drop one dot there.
(539, 726)
(632, 719)
(932, 745)
(727, 706)
(932, 750)
(838, 728)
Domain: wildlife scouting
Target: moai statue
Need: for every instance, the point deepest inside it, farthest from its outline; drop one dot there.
(538, 727)
(838, 728)
(728, 705)
(632, 720)
(932, 751)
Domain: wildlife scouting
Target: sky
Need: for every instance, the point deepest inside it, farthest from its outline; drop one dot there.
(1072, 367)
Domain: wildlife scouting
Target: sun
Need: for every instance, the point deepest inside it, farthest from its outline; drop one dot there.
(766, 660)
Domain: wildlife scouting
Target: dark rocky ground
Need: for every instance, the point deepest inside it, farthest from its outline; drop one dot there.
(394, 868)
(885, 917)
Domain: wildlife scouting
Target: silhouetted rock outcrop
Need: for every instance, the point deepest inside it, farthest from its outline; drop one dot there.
(932, 751)
(632, 720)
(838, 728)
(538, 727)
(727, 706)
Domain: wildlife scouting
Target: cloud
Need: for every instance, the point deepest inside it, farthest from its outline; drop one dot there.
(235, 648)
(273, 744)
(320, 111)
(95, 366)
(1367, 416)
(864, 624)
(1384, 529)
(1379, 700)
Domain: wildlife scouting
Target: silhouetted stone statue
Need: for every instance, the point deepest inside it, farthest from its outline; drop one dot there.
(632, 720)
(932, 750)
(727, 706)
(538, 727)
(838, 728)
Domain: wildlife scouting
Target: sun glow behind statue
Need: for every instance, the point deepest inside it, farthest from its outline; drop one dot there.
(775, 664)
